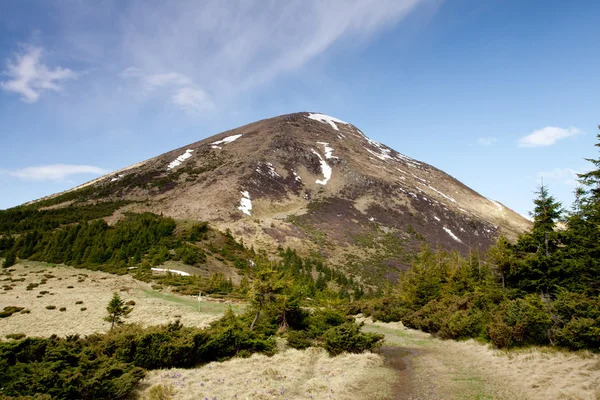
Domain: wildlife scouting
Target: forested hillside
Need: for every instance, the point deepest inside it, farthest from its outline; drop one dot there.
(543, 289)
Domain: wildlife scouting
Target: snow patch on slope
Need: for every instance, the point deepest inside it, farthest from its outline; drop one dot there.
(497, 204)
(173, 271)
(442, 194)
(245, 203)
(228, 139)
(328, 150)
(452, 235)
(177, 162)
(325, 169)
(326, 119)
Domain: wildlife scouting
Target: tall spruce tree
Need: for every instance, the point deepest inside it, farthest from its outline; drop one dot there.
(583, 232)
(546, 214)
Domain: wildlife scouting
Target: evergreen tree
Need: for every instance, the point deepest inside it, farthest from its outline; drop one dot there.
(583, 233)
(117, 310)
(545, 215)
(10, 260)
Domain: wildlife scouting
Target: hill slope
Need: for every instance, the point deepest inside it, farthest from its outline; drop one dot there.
(313, 183)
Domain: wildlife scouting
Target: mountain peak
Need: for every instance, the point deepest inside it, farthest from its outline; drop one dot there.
(317, 184)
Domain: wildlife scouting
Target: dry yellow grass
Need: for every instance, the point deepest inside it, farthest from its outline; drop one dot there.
(95, 292)
(291, 374)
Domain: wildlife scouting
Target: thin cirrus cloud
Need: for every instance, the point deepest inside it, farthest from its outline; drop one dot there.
(183, 93)
(567, 176)
(486, 141)
(547, 136)
(29, 77)
(196, 55)
(55, 172)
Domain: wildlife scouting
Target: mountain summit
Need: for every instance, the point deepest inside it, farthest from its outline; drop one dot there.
(316, 184)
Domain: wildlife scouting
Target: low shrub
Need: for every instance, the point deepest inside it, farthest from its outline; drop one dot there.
(348, 338)
(10, 310)
(79, 302)
(520, 322)
(62, 309)
(50, 307)
(83, 309)
(299, 340)
(161, 392)
(15, 336)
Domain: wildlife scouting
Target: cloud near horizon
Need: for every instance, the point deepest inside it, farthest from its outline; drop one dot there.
(54, 172)
(547, 136)
(29, 76)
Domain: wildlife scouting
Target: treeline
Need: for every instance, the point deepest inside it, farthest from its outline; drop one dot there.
(140, 241)
(29, 218)
(93, 244)
(543, 289)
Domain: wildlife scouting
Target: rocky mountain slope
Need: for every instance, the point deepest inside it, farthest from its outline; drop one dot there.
(316, 184)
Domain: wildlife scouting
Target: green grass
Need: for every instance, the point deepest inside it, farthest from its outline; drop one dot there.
(192, 302)
(396, 337)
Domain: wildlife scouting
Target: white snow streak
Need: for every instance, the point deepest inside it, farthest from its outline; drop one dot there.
(180, 159)
(228, 139)
(436, 218)
(296, 176)
(116, 178)
(328, 150)
(173, 271)
(497, 204)
(325, 169)
(245, 203)
(452, 235)
(442, 194)
(326, 119)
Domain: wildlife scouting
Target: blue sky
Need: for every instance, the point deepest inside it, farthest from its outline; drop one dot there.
(497, 93)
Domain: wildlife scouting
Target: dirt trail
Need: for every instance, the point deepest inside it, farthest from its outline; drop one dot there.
(428, 368)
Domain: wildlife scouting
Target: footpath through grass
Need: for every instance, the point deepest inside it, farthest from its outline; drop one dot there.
(437, 369)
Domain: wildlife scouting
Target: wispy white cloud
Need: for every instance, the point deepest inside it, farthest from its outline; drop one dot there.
(486, 141)
(29, 76)
(567, 176)
(216, 51)
(184, 93)
(547, 136)
(191, 100)
(55, 172)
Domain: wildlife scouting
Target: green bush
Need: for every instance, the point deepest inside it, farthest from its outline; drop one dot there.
(348, 338)
(520, 322)
(579, 321)
(323, 319)
(10, 310)
(15, 336)
(299, 340)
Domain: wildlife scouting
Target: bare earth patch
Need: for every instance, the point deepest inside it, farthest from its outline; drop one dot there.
(291, 374)
(75, 289)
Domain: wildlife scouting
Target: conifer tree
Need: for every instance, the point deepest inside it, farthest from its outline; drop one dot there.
(10, 260)
(117, 310)
(545, 215)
